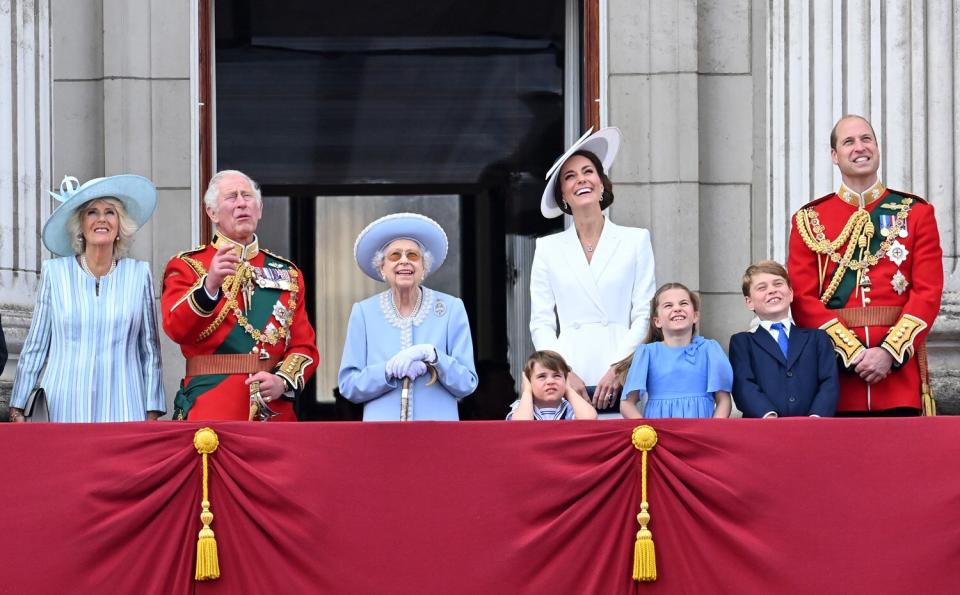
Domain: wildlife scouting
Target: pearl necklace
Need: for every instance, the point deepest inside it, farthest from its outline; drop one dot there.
(416, 307)
(85, 267)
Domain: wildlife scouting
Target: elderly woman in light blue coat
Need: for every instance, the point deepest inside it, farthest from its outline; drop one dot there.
(93, 345)
(408, 353)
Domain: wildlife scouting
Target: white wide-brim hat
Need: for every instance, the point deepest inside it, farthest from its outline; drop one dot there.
(399, 226)
(136, 193)
(603, 143)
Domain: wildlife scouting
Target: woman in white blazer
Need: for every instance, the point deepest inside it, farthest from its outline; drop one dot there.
(596, 278)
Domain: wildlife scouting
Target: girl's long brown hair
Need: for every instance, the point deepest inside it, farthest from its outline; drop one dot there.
(654, 333)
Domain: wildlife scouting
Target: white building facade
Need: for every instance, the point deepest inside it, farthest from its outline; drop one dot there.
(726, 108)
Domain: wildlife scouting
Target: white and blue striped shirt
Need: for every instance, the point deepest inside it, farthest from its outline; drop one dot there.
(562, 411)
(101, 352)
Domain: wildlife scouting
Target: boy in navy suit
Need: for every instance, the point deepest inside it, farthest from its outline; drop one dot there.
(780, 369)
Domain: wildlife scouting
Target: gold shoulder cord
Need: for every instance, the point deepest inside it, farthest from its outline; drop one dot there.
(231, 281)
(195, 264)
(231, 285)
(857, 233)
(199, 270)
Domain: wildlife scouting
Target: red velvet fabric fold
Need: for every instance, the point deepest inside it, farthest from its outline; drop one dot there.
(738, 506)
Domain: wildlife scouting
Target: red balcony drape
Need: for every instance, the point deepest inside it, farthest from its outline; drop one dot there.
(739, 506)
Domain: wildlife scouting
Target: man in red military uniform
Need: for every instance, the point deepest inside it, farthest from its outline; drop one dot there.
(866, 267)
(237, 312)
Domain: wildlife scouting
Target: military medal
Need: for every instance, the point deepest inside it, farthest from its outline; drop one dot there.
(280, 312)
(273, 278)
(899, 283)
(886, 222)
(897, 253)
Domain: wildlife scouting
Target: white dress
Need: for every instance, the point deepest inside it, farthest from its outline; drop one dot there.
(603, 306)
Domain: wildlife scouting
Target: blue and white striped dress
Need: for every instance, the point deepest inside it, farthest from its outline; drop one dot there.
(102, 352)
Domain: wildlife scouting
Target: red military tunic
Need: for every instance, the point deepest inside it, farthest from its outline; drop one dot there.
(274, 322)
(888, 290)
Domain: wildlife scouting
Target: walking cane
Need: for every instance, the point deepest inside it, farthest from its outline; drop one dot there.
(405, 393)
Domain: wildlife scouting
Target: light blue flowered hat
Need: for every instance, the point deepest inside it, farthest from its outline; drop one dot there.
(410, 226)
(137, 194)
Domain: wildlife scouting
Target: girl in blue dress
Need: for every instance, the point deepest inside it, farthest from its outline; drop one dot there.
(681, 373)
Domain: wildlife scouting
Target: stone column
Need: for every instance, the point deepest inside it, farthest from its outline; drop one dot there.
(653, 99)
(123, 105)
(90, 88)
(894, 63)
(24, 167)
(681, 88)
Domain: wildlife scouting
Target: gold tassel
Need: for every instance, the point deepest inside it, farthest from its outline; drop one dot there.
(644, 438)
(927, 400)
(929, 403)
(208, 564)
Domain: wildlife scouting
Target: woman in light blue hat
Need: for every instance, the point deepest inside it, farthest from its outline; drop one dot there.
(94, 329)
(408, 353)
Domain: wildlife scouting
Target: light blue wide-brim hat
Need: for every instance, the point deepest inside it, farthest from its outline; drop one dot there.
(399, 226)
(603, 143)
(137, 194)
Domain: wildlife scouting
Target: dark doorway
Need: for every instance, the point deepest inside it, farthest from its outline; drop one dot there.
(377, 98)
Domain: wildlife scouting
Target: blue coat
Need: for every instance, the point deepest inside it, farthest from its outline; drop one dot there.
(97, 356)
(764, 381)
(375, 334)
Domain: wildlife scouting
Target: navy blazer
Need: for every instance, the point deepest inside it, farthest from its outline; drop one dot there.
(764, 381)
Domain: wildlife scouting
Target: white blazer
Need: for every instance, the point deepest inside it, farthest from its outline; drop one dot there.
(603, 306)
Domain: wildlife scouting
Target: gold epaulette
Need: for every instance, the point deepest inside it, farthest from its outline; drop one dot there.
(899, 341)
(919, 199)
(196, 265)
(286, 261)
(845, 342)
(817, 201)
(292, 368)
(199, 248)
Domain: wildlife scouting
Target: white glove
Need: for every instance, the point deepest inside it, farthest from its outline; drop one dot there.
(413, 371)
(409, 362)
(424, 352)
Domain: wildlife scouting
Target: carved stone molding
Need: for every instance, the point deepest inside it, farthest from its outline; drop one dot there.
(25, 161)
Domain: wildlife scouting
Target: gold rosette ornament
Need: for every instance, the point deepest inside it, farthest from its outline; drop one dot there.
(208, 565)
(644, 438)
